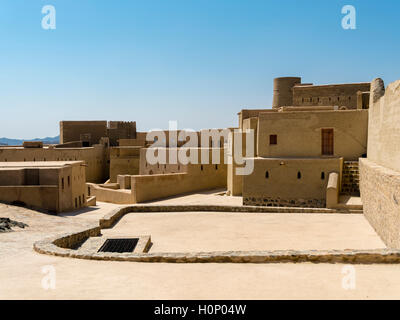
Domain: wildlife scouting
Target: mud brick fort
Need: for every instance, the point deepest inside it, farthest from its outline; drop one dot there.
(333, 146)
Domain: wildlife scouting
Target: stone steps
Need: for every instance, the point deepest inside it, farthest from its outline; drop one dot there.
(350, 179)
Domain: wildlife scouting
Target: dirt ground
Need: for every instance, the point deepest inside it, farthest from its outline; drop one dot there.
(25, 274)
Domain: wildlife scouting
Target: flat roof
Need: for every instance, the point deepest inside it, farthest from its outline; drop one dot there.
(317, 111)
(45, 147)
(330, 85)
(38, 164)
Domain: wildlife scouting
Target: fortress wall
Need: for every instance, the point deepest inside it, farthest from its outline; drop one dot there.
(151, 187)
(276, 182)
(95, 158)
(329, 95)
(380, 173)
(121, 130)
(71, 131)
(124, 161)
(110, 195)
(384, 128)
(299, 133)
(146, 167)
(380, 194)
(283, 93)
(253, 113)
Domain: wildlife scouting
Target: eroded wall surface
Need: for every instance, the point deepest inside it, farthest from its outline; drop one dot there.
(380, 173)
(384, 128)
(380, 192)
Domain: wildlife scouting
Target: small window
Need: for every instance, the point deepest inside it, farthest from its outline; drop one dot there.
(322, 175)
(216, 167)
(299, 175)
(273, 139)
(266, 174)
(201, 167)
(76, 202)
(62, 183)
(69, 181)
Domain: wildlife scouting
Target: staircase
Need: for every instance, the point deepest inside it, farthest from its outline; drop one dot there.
(350, 179)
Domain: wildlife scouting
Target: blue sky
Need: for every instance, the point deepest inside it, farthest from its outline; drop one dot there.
(197, 62)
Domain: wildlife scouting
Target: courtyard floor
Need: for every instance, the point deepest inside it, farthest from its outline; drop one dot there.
(22, 270)
(225, 231)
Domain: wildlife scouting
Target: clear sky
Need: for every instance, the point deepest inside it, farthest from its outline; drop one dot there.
(197, 62)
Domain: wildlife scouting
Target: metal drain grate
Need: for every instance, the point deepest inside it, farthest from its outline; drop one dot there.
(119, 245)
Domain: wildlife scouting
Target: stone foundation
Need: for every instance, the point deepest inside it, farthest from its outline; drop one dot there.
(350, 178)
(277, 202)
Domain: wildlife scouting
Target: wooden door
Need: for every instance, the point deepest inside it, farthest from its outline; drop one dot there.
(327, 142)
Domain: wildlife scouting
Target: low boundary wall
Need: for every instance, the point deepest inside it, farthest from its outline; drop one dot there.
(65, 244)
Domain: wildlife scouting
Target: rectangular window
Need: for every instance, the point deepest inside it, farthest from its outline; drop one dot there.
(327, 142)
(273, 139)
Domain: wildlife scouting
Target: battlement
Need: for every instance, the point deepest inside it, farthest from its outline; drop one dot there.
(289, 91)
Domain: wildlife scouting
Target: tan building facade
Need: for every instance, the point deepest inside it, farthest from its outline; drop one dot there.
(55, 186)
(95, 158)
(302, 134)
(310, 133)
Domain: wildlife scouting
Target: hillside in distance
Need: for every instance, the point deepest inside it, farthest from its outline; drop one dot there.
(19, 142)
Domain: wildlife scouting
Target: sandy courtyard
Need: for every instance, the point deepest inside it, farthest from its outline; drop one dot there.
(22, 270)
(223, 231)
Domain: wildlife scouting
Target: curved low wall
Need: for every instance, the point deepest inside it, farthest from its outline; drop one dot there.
(64, 245)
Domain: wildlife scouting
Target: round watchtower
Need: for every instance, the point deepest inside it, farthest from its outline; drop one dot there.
(283, 93)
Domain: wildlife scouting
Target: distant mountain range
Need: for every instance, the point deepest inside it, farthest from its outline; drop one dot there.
(18, 142)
